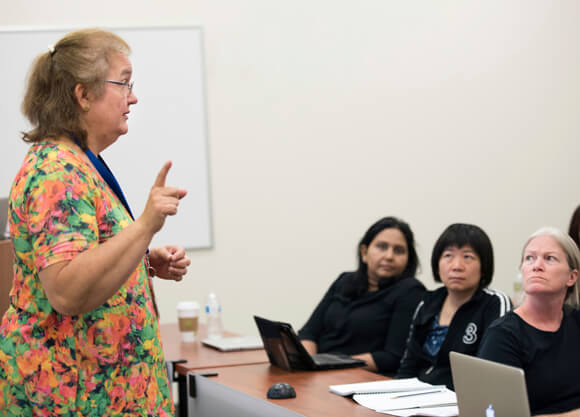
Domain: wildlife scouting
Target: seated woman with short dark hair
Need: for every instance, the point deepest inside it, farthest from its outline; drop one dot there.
(366, 313)
(455, 316)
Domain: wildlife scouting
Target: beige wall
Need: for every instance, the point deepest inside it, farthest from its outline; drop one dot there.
(326, 115)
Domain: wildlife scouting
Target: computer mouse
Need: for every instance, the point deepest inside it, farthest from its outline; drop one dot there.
(281, 390)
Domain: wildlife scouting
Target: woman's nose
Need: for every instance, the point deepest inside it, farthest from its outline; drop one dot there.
(456, 263)
(538, 263)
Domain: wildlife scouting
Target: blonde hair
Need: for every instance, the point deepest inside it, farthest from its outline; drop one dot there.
(50, 103)
(572, 256)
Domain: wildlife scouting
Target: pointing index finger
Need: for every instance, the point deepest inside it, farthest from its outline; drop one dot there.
(160, 180)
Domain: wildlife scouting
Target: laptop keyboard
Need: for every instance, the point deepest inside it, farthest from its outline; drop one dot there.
(324, 358)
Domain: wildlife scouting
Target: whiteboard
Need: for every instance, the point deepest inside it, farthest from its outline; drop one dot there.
(168, 123)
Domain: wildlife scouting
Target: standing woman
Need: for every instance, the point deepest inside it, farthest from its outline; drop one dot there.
(542, 336)
(81, 336)
(366, 313)
(455, 316)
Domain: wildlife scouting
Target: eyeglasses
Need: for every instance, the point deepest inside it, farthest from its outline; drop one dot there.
(127, 84)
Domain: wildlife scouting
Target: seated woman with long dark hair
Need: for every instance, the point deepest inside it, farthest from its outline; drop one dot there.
(366, 313)
(455, 316)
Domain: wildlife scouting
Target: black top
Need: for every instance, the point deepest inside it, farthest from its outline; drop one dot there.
(464, 334)
(550, 360)
(376, 322)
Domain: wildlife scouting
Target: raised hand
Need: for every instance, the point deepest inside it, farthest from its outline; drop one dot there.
(162, 202)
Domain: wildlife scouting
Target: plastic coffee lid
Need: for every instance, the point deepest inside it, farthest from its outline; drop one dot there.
(188, 305)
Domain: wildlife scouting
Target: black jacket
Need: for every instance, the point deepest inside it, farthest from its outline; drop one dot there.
(376, 322)
(464, 335)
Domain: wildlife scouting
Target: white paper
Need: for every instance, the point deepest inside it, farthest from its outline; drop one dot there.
(391, 402)
(388, 385)
(449, 411)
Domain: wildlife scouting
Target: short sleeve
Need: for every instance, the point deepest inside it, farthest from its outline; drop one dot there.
(501, 343)
(61, 215)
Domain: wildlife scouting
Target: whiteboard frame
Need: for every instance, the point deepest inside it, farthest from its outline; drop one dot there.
(192, 227)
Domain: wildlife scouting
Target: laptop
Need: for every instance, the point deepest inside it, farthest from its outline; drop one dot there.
(486, 388)
(229, 344)
(285, 350)
(4, 218)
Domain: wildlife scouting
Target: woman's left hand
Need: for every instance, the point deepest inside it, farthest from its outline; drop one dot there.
(169, 262)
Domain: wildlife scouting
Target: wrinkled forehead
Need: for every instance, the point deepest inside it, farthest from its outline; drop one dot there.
(544, 243)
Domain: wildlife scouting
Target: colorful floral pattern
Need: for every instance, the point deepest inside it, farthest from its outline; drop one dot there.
(105, 362)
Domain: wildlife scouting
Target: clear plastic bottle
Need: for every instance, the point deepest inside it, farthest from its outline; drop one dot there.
(213, 312)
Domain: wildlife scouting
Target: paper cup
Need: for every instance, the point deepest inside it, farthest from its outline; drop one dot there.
(188, 319)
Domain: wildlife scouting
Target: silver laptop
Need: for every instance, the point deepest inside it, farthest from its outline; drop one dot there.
(228, 344)
(486, 388)
(4, 218)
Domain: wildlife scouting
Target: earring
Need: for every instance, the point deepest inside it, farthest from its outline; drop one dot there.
(86, 108)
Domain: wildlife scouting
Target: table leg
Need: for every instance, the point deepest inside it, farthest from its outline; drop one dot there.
(182, 394)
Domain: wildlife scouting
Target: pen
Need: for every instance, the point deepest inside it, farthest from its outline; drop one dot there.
(419, 393)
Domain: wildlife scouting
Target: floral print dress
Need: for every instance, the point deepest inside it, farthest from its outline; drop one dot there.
(108, 361)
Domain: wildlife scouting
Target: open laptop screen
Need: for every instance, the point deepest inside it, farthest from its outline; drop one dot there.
(286, 351)
(282, 345)
(488, 388)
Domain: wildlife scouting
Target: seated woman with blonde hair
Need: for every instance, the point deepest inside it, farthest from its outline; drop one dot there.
(542, 336)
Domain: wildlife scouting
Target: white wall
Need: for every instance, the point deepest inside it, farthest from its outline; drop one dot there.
(326, 115)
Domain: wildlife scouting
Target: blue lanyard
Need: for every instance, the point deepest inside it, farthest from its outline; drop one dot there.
(106, 173)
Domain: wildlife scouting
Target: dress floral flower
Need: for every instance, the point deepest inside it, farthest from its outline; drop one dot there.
(105, 362)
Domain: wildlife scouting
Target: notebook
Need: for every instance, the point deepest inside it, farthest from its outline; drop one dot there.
(285, 350)
(3, 218)
(417, 401)
(384, 386)
(486, 388)
(228, 344)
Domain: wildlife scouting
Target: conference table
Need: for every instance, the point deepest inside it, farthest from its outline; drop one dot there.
(241, 391)
(240, 380)
(197, 358)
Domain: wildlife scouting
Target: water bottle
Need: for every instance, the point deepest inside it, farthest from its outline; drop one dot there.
(213, 311)
(489, 411)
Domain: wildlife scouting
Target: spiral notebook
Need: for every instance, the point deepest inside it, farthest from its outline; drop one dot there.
(384, 386)
(410, 400)
(401, 397)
